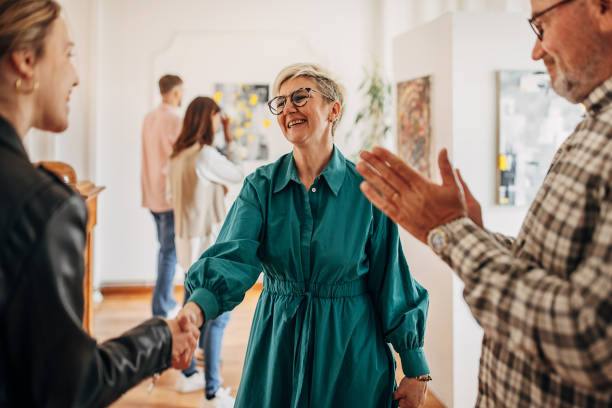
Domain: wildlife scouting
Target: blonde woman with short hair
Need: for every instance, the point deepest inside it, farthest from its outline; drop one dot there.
(337, 288)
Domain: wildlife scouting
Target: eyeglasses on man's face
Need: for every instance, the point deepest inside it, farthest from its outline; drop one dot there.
(298, 98)
(533, 21)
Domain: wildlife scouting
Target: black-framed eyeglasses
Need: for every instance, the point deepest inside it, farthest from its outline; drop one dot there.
(299, 98)
(534, 25)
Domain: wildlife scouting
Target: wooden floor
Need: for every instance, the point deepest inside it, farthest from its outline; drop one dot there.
(119, 312)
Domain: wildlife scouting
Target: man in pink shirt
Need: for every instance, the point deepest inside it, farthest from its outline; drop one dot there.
(160, 129)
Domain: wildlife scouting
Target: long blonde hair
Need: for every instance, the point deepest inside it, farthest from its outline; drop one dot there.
(24, 24)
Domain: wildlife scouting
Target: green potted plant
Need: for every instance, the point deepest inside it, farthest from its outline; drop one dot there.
(372, 122)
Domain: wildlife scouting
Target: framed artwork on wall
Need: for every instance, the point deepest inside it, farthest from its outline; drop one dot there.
(245, 104)
(533, 121)
(414, 123)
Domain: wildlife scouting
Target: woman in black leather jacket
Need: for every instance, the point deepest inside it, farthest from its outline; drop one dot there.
(46, 359)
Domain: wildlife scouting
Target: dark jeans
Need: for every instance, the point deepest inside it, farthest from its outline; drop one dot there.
(163, 293)
(211, 340)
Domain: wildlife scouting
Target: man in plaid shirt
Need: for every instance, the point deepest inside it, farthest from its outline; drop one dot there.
(544, 299)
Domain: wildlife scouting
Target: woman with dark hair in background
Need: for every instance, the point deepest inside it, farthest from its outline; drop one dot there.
(46, 358)
(197, 175)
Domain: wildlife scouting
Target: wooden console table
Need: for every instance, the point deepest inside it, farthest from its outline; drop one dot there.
(89, 192)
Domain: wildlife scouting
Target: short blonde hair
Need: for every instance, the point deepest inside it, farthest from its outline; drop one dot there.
(329, 86)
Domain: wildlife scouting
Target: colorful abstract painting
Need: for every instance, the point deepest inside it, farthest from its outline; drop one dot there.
(245, 104)
(533, 122)
(413, 123)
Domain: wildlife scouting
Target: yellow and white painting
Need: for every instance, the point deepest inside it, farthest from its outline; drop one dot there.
(245, 104)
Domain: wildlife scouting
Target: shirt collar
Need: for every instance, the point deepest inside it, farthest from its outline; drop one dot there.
(599, 99)
(333, 174)
(286, 172)
(10, 138)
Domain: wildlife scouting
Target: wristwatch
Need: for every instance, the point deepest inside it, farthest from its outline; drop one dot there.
(437, 240)
(424, 378)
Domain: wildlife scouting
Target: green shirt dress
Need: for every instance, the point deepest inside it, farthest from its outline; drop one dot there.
(336, 290)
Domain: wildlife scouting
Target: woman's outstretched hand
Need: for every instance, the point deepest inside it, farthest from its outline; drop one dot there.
(184, 342)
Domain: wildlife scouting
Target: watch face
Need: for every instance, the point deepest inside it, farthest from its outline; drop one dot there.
(437, 240)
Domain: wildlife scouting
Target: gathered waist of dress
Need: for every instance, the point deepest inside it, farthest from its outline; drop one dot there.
(315, 289)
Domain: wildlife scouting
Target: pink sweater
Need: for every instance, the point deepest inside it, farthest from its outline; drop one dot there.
(160, 129)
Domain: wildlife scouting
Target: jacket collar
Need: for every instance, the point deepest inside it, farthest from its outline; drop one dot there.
(333, 174)
(10, 139)
(599, 99)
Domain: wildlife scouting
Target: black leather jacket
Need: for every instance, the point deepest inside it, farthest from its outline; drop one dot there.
(46, 359)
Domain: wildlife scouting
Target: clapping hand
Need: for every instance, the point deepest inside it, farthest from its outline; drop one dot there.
(410, 393)
(410, 199)
(184, 342)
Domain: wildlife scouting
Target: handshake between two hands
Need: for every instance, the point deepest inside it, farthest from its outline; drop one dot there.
(185, 329)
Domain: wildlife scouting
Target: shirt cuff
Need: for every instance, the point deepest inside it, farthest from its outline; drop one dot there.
(414, 362)
(207, 302)
(468, 247)
(456, 231)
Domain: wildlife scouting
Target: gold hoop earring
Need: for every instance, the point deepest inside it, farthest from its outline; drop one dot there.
(19, 82)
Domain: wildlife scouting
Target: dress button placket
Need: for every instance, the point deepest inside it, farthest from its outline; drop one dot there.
(306, 235)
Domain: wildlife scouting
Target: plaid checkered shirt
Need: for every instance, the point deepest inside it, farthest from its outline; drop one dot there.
(544, 299)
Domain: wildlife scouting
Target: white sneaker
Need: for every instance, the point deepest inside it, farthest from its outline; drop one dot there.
(222, 399)
(172, 313)
(194, 382)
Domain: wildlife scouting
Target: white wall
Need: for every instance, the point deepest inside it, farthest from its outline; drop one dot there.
(461, 52)
(237, 44)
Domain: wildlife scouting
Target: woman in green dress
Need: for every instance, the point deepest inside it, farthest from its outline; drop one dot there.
(336, 289)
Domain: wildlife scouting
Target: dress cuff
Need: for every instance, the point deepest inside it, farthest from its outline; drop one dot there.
(207, 302)
(414, 362)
